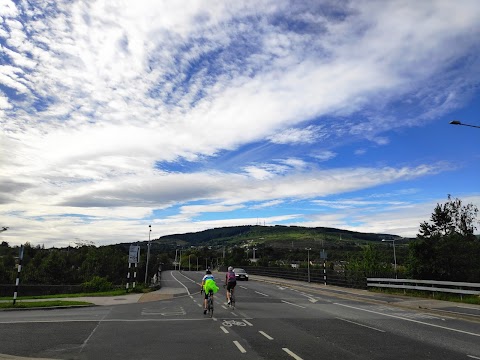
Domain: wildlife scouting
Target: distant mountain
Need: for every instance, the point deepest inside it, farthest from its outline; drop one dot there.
(270, 235)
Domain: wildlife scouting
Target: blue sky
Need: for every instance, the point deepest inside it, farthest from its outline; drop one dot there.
(117, 115)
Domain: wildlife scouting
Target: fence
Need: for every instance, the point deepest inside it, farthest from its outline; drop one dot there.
(462, 288)
(339, 278)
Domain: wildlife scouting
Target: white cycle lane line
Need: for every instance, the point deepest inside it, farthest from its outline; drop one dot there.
(411, 320)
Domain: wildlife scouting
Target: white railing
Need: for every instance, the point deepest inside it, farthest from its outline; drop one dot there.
(426, 285)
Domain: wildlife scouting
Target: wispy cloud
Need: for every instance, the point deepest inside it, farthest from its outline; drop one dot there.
(94, 95)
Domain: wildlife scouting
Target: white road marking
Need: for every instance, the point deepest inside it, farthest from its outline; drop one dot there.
(407, 319)
(353, 322)
(280, 287)
(240, 347)
(224, 330)
(466, 307)
(191, 297)
(243, 287)
(89, 336)
(242, 314)
(234, 314)
(223, 306)
(186, 277)
(188, 291)
(292, 354)
(199, 305)
(312, 300)
(101, 321)
(289, 303)
(258, 292)
(246, 322)
(266, 335)
(473, 357)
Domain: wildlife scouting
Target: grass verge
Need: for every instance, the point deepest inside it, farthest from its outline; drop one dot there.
(37, 304)
(99, 294)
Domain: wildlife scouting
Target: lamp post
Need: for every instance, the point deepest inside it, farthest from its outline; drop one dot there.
(394, 255)
(148, 254)
(308, 262)
(456, 122)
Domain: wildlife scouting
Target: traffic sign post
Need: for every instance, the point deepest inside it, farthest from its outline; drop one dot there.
(133, 258)
(323, 255)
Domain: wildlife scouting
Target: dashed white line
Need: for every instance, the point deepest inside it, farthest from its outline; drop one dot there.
(266, 335)
(243, 287)
(223, 306)
(258, 292)
(224, 330)
(234, 314)
(353, 322)
(240, 347)
(407, 319)
(289, 303)
(473, 357)
(292, 354)
(246, 322)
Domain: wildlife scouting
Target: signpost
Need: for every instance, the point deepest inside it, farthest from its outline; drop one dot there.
(133, 258)
(323, 255)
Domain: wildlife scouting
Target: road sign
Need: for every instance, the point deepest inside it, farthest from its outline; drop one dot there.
(323, 255)
(134, 254)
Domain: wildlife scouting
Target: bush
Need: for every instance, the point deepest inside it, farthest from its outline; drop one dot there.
(97, 284)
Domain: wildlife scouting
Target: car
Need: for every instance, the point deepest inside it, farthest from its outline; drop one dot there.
(240, 274)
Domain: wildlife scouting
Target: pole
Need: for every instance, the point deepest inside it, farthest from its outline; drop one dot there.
(197, 262)
(395, 259)
(128, 275)
(17, 281)
(189, 262)
(176, 258)
(148, 254)
(180, 262)
(308, 262)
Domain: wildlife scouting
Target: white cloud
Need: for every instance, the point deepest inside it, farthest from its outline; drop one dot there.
(98, 93)
(307, 135)
(324, 155)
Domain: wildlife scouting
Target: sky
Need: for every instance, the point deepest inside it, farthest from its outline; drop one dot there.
(191, 115)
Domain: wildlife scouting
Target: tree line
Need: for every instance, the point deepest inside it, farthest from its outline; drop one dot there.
(445, 248)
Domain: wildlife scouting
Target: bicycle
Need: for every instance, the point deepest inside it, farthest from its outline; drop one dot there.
(232, 298)
(210, 303)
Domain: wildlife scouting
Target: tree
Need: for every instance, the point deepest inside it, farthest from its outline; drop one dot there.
(450, 218)
(446, 247)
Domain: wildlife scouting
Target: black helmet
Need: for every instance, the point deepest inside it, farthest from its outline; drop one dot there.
(208, 271)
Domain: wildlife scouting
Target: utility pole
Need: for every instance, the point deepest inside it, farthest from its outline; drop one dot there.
(148, 254)
(308, 262)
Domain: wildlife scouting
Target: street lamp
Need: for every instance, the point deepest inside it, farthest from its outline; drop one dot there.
(394, 255)
(148, 253)
(456, 122)
(308, 262)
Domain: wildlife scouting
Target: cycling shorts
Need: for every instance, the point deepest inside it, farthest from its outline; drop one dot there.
(231, 285)
(206, 294)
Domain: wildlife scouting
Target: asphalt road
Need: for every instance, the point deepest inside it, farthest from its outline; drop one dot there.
(271, 321)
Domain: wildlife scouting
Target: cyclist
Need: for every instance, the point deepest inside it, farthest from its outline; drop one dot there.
(230, 281)
(208, 284)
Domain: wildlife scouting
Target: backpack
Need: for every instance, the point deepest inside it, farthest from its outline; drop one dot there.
(231, 276)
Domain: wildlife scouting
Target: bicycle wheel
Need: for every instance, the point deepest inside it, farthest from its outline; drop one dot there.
(232, 300)
(210, 306)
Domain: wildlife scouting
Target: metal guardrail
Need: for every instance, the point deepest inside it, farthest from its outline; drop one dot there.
(330, 277)
(453, 287)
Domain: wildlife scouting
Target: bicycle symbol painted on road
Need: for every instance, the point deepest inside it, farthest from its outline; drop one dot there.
(231, 323)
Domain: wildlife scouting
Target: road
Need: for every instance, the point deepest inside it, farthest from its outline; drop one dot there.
(271, 321)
